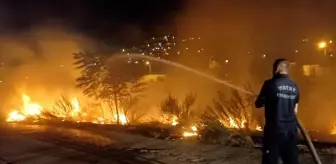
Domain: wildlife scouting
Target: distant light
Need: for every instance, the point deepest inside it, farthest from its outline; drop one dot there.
(199, 37)
(136, 62)
(330, 41)
(178, 52)
(322, 44)
(26, 77)
(331, 55)
(142, 53)
(123, 50)
(187, 48)
(148, 45)
(226, 61)
(128, 54)
(296, 51)
(147, 62)
(248, 52)
(199, 51)
(0, 81)
(129, 61)
(305, 40)
(264, 55)
(62, 65)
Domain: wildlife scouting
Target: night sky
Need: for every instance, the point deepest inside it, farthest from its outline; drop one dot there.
(267, 23)
(102, 19)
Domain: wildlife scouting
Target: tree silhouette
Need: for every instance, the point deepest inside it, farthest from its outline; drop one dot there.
(113, 86)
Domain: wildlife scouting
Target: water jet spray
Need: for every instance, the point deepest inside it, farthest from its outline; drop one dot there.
(202, 74)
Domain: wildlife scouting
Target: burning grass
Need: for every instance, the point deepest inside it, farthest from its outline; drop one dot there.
(65, 109)
(234, 113)
(179, 117)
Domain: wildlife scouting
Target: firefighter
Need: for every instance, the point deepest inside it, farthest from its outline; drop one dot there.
(280, 97)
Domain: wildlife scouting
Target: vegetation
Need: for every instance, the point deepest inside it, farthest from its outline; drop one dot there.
(183, 111)
(229, 120)
(234, 112)
(100, 82)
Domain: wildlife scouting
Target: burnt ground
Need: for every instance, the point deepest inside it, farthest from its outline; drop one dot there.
(41, 144)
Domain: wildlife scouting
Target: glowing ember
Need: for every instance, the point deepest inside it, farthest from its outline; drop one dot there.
(192, 133)
(333, 131)
(122, 119)
(100, 121)
(174, 121)
(232, 123)
(259, 128)
(194, 128)
(15, 116)
(189, 134)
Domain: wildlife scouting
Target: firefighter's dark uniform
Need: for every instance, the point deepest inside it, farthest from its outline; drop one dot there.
(279, 96)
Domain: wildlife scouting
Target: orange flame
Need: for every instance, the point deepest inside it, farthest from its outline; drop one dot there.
(333, 131)
(232, 123)
(174, 121)
(15, 116)
(191, 133)
(76, 107)
(30, 109)
(122, 118)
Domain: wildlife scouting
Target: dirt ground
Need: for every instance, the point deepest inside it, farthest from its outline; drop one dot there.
(40, 144)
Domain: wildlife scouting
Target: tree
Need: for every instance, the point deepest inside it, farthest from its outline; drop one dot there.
(93, 73)
(101, 82)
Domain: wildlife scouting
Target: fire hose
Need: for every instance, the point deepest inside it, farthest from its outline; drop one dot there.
(309, 143)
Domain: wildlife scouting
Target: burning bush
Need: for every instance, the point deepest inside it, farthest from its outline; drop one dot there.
(179, 112)
(70, 110)
(133, 115)
(233, 113)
